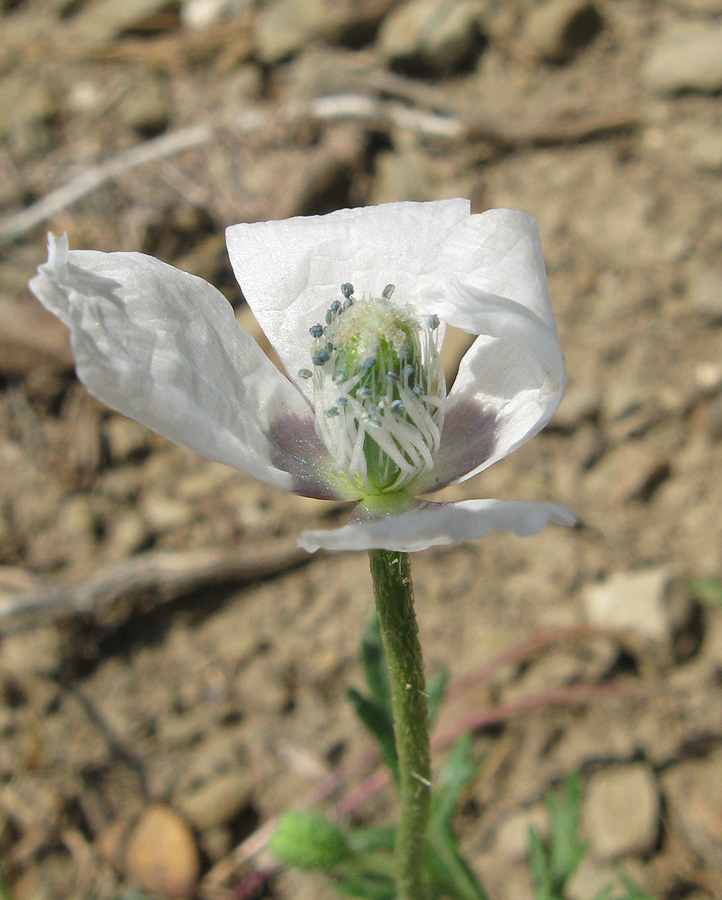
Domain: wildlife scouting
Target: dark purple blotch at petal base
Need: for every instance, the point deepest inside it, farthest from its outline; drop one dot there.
(296, 449)
(467, 441)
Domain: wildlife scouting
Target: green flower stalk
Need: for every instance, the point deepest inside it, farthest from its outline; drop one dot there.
(394, 593)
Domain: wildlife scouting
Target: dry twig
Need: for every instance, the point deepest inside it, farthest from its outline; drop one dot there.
(365, 109)
(151, 578)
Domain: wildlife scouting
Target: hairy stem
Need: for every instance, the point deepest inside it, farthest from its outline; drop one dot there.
(394, 592)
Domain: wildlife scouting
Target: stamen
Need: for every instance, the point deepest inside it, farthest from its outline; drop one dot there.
(380, 400)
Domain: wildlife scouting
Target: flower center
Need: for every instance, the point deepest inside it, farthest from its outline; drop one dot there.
(379, 390)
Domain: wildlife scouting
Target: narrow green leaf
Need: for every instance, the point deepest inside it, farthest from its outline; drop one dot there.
(367, 885)
(632, 891)
(379, 723)
(540, 866)
(366, 840)
(436, 690)
(449, 870)
(455, 773)
(374, 664)
(566, 848)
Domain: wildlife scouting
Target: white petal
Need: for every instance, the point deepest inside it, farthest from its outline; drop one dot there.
(498, 253)
(439, 523)
(292, 270)
(164, 348)
(512, 379)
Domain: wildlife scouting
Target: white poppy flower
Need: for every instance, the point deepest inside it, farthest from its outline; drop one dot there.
(355, 304)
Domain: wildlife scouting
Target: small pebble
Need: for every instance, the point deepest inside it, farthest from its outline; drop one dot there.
(161, 855)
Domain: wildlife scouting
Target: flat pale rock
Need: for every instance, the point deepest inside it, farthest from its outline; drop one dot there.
(106, 20)
(620, 815)
(430, 35)
(512, 841)
(693, 790)
(631, 601)
(689, 59)
(217, 801)
(560, 28)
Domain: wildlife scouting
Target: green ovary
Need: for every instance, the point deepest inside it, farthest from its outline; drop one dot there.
(379, 389)
(395, 354)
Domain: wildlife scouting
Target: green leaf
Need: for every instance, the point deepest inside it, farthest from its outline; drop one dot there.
(567, 850)
(456, 772)
(553, 861)
(374, 664)
(436, 690)
(379, 723)
(368, 840)
(540, 866)
(604, 894)
(632, 891)
(306, 839)
(448, 869)
(367, 885)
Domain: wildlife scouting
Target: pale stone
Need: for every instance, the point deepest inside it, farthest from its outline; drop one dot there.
(686, 60)
(430, 34)
(107, 20)
(512, 836)
(632, 601)
(126, 438)
(161, 855)
(218, 801)
(559, 28)
(694, 794)
(620, 813)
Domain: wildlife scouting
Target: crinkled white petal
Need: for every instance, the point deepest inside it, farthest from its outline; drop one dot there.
(292, 270)
(512, 378)
(163, 347)
(498, 253)
(439, 523)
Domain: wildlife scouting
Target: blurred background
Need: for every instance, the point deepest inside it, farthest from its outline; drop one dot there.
(173, 672)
